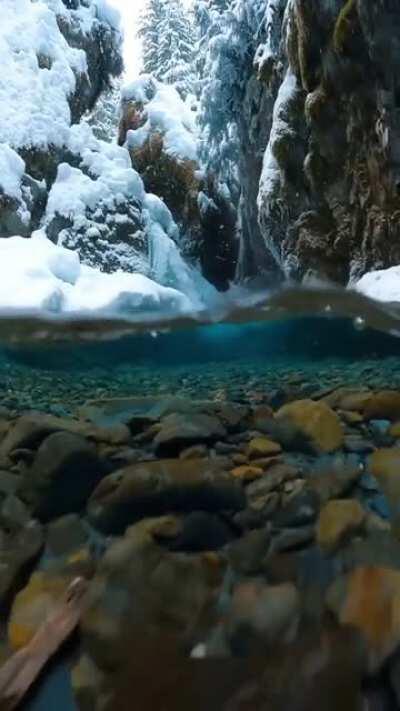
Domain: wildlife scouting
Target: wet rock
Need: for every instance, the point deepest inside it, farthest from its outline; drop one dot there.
(380, 548)
(339, 520)
(159, 594)
(384, 405)
(195, 452)
(262, 447)
(86, 682)
(368, 600)
(259, 490)
(32, 606)
(139, 412)
(357, 444)
(292, 538)
(162, 486)
(246, 555)
(317, 422)
(202, 531)
(384, 464)
(259, 512)
(179, 431)
(18, 553)
(66, 535)
(261, 615)
(65, 471)
(247, 473)
(334, 477)
(9, 483)
(301, 510)
(13, 513)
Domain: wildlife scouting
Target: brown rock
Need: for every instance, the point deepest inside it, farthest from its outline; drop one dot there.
(384, 405)
(335, 478)
(158, 593)
(65, 471)
(319, 425)
(263, 614)
(163, 486)
(394, 430)
(18, 553)
(32, 606)
(262, 447)
(338, 520)
(179, 431)
(247, 473)
(351, 418)
(369, 600)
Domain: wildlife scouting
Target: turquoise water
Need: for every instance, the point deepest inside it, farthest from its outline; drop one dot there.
(290, 355)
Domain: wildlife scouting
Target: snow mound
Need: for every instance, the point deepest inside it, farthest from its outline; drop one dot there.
(110, 177)
(166, 113)
(36, 275)
(381, 285)
(12, 168)
(39, 68)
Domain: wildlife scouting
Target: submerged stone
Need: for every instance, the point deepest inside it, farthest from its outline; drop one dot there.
(162, 486)
(317, 422)
(338, 520)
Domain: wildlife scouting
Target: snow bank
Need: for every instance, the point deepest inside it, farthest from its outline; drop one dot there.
(35, 274)
(12, 168)
(39, 68)
(382, 285)
(167, 114)
(111, 177)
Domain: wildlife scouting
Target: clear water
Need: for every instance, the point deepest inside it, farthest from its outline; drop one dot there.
(300, 341)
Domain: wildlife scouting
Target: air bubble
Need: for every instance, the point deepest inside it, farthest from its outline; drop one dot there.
(359, 323)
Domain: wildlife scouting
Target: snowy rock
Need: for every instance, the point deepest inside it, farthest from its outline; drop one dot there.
(382, 285)
(51, 279)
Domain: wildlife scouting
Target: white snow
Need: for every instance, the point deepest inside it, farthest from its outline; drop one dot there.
(35, 274)
(12, 168)
(167, 114)
(382, 285)
(271, 174)
(39, 69)
(111, 179)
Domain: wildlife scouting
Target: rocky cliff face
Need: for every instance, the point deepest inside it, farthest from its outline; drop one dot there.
(329, 195)
(58, 58)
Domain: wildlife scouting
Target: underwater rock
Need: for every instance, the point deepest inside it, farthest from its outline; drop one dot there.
(384, 464)
(290, 539)
(157, 594)
(18, 553)
(383, 405)
(262, 615)
(369, 600)
(338, 520)
(64, 473)
(262, 447)
(202, 531)
(66, 534)
(163, 486)
(334, 477)
(319, 425)
(32, 606)
(246, 555)
(258, 491)
(301, 510)
(247, 473)
(179, 431)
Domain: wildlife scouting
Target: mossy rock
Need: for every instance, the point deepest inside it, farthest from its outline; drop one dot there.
(344, 25)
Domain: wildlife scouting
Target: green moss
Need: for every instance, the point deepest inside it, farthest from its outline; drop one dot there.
(344, 24)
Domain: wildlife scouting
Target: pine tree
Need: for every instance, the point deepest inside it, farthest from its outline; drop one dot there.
(105, 116)
(151, 21)
(168, 36)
